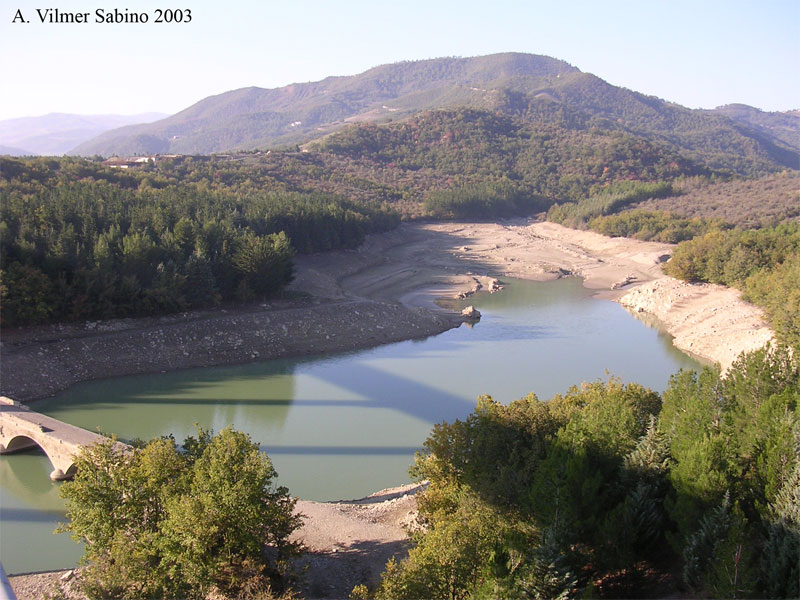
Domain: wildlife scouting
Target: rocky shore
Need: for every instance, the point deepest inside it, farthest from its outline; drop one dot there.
(706, 320)
(384, 292)
(38, 363)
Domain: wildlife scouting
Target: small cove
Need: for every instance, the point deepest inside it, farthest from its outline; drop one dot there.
(344, 426)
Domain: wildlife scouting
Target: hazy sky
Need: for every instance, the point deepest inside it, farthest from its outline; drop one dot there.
(698, 53)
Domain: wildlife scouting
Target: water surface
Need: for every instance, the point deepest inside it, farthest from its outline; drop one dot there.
(344, 426)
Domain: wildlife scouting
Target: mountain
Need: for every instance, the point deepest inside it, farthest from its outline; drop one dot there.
(530, 88)
(783, 125)
(58, 133)
(252, 117)
(11, 151)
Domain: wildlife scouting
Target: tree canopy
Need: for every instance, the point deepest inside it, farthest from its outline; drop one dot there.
(604, 489)
(162, 521)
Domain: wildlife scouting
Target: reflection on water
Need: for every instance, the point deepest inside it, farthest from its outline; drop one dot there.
(30, 510)
(345, 426)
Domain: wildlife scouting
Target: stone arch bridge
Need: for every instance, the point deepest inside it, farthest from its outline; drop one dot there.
(22, 428)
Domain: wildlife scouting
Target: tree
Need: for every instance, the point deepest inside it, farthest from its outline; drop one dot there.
(26, 294)
(161, 521)
(264, 262)
(780, 560)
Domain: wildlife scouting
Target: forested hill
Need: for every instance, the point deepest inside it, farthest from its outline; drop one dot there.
(783, 126)
(530, 88)
(250, 118)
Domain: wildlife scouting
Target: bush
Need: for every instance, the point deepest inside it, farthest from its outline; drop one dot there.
(652, 226)
(160, 521)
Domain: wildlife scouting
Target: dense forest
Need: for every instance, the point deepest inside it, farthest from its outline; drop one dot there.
(612, 490)
(80, 241)
(555, 159)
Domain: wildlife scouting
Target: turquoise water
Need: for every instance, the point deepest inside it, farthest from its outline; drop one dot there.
(344, 426)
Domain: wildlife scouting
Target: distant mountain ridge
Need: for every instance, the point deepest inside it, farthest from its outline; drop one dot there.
(528, 87)
(55, 134)
(251, 118)
(783, 125)
(11, 151)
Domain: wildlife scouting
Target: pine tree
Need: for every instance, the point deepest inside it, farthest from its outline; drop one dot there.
(780, 557)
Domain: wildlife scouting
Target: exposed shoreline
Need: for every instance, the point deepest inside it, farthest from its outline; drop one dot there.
(40, 363)
(385, 291)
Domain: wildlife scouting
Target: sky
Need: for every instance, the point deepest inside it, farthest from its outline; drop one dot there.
(698, 53)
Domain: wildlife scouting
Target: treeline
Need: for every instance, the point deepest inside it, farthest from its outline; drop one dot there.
(657, 226)
(607, 200)
(88, 242)
(483, 201)
(764, 264)
(606, 489)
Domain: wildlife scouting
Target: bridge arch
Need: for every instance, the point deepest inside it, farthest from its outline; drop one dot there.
(63, 464)
(22, 428)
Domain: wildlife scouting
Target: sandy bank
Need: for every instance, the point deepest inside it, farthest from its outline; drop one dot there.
(348, 543)
(710, 321)
(419, 263)
(385, 291)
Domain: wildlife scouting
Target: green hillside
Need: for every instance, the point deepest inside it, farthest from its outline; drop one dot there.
(531, 89)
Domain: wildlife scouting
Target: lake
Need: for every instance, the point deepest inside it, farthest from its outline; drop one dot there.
(344, 426)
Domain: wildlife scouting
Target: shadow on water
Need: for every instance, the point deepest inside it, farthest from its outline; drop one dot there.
(31, 515)
(395, 392)
(373, 387)
(25, 477)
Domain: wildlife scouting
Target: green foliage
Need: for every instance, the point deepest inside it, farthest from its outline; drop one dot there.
(765, 264)
(543, 500)
(691, 419)
(463, 549)
(80, 241)
(777, 290)
(652, 226)
(718, 557)
(163, 522)
(495, 450)
(701, 545)
(576, 485)
(482, 201)
(607, 200)
(731, 257)
(780, 559)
